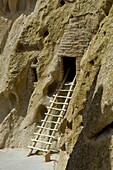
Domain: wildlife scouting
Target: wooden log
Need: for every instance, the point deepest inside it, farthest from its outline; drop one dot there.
(47, 156)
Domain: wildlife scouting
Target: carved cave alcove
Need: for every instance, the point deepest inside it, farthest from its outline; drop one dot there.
(9, 101)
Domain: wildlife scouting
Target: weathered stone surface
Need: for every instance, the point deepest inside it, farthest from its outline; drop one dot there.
(25, 90)
(31, 39)
(99, 103)
(92, 154)
(4, 29)
(63, 160)
(93, 99)
(13, 8)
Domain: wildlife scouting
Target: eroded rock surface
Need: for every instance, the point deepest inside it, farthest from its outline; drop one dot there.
(93, 99)
(31, 40)
(12, 8)
(30, 49)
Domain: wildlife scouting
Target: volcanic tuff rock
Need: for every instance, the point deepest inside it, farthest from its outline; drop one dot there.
(31, 34)
(26, 40)
(93, 99)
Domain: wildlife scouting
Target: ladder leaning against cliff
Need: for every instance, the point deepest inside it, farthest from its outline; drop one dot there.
(58, 104)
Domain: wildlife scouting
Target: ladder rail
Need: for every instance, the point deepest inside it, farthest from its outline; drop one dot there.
(60, 116)
(59, 103)
(44, 135)
(62, 112)
(46, 117)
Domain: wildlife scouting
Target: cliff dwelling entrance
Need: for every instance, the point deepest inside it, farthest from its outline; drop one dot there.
(69, 63)
(44, 140)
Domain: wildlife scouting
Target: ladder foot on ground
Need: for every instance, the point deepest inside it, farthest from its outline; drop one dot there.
(54, 117)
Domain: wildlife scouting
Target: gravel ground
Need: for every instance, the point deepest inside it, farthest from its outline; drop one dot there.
(16, 159)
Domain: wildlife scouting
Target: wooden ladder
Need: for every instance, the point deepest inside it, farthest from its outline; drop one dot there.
(53, 117)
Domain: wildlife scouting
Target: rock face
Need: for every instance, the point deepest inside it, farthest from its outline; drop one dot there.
(29, 71)
(34, 36)
(93, 99)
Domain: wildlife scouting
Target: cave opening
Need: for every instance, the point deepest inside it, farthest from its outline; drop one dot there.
(62, 2)
(69, 63)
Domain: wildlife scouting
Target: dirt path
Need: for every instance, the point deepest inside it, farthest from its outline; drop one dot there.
(16, 159)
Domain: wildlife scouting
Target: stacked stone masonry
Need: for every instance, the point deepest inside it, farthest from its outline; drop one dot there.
(75, 41)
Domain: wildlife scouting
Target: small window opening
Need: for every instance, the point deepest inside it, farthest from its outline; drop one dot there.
(81, 124)
(62, 2)
(92, 62)
(69, 64)
(46, 33)
(104, 32)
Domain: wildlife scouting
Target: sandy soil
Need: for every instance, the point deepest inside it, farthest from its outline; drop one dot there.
(16, 159)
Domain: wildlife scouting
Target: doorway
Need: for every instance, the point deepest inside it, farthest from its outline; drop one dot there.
(69, 63)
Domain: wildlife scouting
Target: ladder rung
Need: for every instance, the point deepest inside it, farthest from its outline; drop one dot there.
(62, 97)
(67, 84)
(44, 135)
(34, 83)
(59, 103)
(53, 115)
(47, 128)
(39, 149)
(34, 65)
(52, 108)
(50, 121)
(40, 141)
(65, 90)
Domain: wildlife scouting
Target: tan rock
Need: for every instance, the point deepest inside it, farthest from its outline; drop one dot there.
(30, 56)
(93, 99)
(90, 154)
(31, 38)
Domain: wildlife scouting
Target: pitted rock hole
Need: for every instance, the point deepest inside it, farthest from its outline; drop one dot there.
(62, 2)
